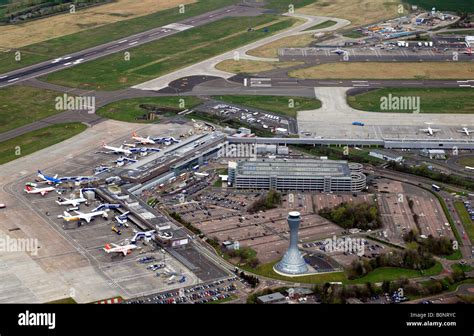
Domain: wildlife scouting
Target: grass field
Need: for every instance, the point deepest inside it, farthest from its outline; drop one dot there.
(128, 110)
(443, 5)
(378, 275)
(276, 104)
(380, 70)
(161, 57)
(432, 100)
(34, 141)
(395, 273)
(353, 34)
(466, 161)
(60, 46)
(458, 32)
(22, 105)
(359, 12)
(325, 24)
(465, 219)
(20, 35)
(253, 67)
(271, 49)
(266, 270)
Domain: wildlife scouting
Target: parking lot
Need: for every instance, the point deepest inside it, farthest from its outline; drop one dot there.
(223, 216)
(203, 293)
(394, 200)
(253, 117)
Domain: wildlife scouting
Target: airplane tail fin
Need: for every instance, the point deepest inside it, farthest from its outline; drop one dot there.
(134, 134)
(28, 188)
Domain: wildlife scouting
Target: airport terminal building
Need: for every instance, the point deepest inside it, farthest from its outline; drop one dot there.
(297, 174)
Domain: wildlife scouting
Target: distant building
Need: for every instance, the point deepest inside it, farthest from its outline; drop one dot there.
(271, 298)
(386, 156)
(438, 154)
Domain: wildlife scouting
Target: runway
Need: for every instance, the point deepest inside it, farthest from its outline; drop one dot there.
(83, 56)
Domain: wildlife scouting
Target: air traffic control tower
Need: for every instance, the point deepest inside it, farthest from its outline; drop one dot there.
(292, 263)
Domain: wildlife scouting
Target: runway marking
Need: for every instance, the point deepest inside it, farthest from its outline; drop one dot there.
(14, 79)
(133, 43)
(123, 41)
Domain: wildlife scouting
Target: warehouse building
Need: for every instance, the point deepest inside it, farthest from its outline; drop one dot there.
(297, 174)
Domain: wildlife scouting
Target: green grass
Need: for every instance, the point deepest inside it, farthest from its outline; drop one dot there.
(129, 110)
(353, 34)
(282, 6)
(377, 275)
(456, 255)
(458, 32)
(33, 141)
(325, 24)
(22, 105)
(465, 220)
(64, 45)
(158, 58)
(68, 300)
(337, 153)
(467, 161)
(443, 5)
(230, 298)
(432, 100)
(277, 104)
(266, 270)
(464, 268)
(396, 273)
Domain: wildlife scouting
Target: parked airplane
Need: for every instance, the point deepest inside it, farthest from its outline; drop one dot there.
(147, 235)
(142, 140)
(85, 216)
(125, 249)
(117, 150)
(55, 180)
(74, 202)
(33, 190)
(430, 131)
(49, 179)
(466, 131)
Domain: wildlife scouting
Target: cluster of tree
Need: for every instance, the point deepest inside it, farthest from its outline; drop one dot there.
(434, 175)
(157, 108)
(441, 246)
(270, 200)
(177, 217)
(246, 255)
(340, 293)
(251, 279)
(362, 216)
(427, 288)
(412, 259)
(30, 9)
